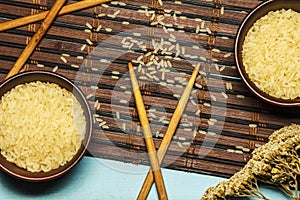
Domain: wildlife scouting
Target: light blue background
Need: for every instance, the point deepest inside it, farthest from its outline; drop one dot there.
(99, 179)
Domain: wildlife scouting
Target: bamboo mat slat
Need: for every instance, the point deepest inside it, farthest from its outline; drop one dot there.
(222, 123)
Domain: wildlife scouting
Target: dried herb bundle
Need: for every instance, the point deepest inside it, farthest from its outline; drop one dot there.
(276, 163)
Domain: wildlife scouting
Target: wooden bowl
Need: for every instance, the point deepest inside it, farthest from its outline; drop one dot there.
(247, 23)
(21, 78)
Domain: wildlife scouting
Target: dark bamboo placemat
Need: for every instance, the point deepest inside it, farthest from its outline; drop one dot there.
(223, 121)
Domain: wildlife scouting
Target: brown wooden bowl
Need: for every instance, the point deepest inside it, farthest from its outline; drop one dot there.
(247, 23)
(25, 77)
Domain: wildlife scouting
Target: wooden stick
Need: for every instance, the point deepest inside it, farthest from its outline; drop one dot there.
(40, 16)
(169, 132)
(36, 38)
(155, 167)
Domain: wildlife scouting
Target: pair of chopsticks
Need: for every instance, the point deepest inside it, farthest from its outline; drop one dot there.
(36, 38)
(154, 174)
(48, 16)
(40, 16)
(155, 166)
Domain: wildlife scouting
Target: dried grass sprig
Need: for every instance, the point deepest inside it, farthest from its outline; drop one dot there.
(276, 163)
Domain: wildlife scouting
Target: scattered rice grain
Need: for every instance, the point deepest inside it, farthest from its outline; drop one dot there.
(193, 102)
(202, 25)
(240, 96)
(101, 15)
(122, 3)
(96, 103)
(63, 59)
(174, 17)
(246, 149)
(224, 95)
(216, 50)
(108, 29)
(239, 152)
(198, 85)
(227, 55)
(75, 66)
(55, 69)
(179, 144)
(89, 41)
(210, 123)
(104, 5)
(197, 29)
(98, 119)
(89, 96)
(176, 95)
(230, 150)
(99, 28)
(40, 65)
(213, 97)
(186, 143)
(102, 123)
(252, 125)
(194, 133)
(208, 31)
(222, 68)
(161, 118)
(123, 101)
(207, 104)
(116, 13)
(89, 25)
(257, 145)
(115, 77)
(211, 133)
(225, 38)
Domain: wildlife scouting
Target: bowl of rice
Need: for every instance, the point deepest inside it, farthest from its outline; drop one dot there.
(45, 126)
(267, 52)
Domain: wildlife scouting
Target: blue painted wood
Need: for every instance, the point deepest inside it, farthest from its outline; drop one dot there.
(95, 178)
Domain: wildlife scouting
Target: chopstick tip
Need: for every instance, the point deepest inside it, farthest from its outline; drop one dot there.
(130, 65)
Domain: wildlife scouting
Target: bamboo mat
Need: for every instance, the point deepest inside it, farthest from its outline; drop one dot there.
(223, 121)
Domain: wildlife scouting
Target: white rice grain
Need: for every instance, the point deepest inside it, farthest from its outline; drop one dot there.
(63, 59)
(224, 95)
(89, 25)
(55, 69)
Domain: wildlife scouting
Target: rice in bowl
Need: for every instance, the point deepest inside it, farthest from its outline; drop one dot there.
(271, 54)
(41, 126)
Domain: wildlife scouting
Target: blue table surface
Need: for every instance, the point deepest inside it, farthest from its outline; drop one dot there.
(95, 178)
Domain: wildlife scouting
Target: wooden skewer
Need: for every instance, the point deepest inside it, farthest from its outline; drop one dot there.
(40, 16)
(155, 167)
(36, 38)
(169, 133)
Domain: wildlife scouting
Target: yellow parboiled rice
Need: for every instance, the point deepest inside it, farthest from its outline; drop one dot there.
(271, 54)
(41, 126)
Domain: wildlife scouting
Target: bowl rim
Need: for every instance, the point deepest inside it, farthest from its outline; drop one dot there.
(253, 88)
(89, 127)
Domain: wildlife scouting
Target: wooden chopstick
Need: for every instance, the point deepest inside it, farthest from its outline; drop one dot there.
(169, 133)
(36, 38)
(40, 16)
(155, 166)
